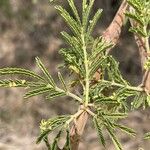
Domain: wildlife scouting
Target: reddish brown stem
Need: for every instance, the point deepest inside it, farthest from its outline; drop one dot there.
(112, 33)
(77, 130)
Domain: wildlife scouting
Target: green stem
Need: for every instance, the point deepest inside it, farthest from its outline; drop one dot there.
(86, 69)
(139, 89)
(69, 94)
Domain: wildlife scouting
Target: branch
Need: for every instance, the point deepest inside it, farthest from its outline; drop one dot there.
(112, 33)
(77, 130)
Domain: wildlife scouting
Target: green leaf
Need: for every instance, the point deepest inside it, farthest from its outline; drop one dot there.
(75, 45)
(20, 71)
(114, 72)
(75, 27)
(45, 72)
(96, 65)
(62, 81)
(99, 48)
(73, 7)
(105, 100)
(55, 143)
(99, 130)
(53, 94)
(115, 115)
(138, 100)
(126, 129)
(67, 144)
(114, 138)
(37, 91)
(136, 4)
(135, 18)
(94, 21)
(36, 84)
(138, 31)
(86, 14)
(43, 135)
(72, 62)
(13, 83)
(50, 125)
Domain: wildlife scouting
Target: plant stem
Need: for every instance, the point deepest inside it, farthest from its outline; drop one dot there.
(77, 130)
(86, 70)
(90, 112)
(69, 94)
(139, 89)
(76, 115)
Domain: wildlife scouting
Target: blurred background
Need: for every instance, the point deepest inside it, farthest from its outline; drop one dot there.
(30, 28)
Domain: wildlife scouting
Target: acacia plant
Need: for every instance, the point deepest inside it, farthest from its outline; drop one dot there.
(105, 96)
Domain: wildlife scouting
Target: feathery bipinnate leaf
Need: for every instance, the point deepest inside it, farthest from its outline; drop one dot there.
(102, 121)
(55, 142)
(139, 100)
(86, 14)
(67, 144)
(20, 71)
(114, 138)
(50, 125)
(139, 13)
(72, 62)
(125, 129)
(38, 91)
(99, 130)
(20, 83)
(138, 31)
(75, 45)
(136, 4)
(93, 21)
(74, 10)
(98, 59)
(136, 18)
(73, 55)
(62, 81)
(53, 94)
(99, 48)
(72, 23)
(85, 56)
(43, 85)
(13, 83)
(107, 94)
(96, 64)
(114, 115)
(114, 72)
(45, 72)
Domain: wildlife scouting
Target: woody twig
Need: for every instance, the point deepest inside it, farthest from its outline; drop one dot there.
(112, 33)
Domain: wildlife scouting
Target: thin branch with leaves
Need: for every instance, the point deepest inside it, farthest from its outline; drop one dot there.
(104, 99)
